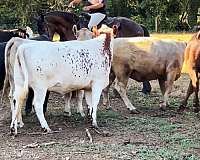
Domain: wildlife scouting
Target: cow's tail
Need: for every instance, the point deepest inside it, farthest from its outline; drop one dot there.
(20, 61)
(7, 69)
(146, 32)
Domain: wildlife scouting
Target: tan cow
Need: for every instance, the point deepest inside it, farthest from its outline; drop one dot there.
(143, 59)
(192, 61)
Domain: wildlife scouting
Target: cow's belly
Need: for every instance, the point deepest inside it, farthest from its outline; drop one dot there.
(62, 89)
(144, 75)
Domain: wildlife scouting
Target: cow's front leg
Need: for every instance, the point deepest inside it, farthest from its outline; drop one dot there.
(168, 87)
(88, 98)
(29, 102)
(121, 89)
(190, 90)
(19, 119)
(38, 104)
(105, 93)
(67, 99)
(80, 103)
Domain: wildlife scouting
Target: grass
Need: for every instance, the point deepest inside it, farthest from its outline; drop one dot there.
(150, 135)
(178, 36)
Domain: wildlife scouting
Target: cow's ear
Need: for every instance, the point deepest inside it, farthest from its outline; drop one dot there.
(115, 30)
(75, 30)
(95, 31)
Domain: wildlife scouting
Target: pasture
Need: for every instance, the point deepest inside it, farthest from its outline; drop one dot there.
(150, 135)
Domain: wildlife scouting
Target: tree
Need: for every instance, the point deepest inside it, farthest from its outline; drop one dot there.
(192, 14)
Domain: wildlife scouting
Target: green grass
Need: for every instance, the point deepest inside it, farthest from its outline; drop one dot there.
(177, 36)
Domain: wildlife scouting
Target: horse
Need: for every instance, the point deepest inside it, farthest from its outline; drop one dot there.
(6, 35)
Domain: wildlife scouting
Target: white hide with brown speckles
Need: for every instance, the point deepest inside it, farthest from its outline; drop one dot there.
(61, 67)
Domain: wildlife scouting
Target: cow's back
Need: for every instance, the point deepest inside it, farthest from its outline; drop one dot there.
(73, 62)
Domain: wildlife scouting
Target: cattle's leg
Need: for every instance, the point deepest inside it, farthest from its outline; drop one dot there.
(88, 98)
(120, 86)
(96, 93)
(162, 86)
(105, 93)
(190, 90)
(38, 104)
(80, 103)
(196, 99)
(168, 85)
(29, 102)
(19, 117)
(195, 83)
(67, 98)
(18, 101)
(45, 102)
(146, 87)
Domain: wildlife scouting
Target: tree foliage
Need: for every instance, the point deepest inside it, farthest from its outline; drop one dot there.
(168, 14)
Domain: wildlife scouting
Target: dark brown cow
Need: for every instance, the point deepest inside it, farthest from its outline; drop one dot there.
(192, 61)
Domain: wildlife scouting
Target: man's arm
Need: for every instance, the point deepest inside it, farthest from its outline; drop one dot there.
(71, 4)
(94, 6)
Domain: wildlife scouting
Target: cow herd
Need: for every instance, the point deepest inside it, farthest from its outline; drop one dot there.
(89, 65)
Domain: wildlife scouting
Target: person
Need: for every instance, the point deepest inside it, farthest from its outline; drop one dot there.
(95, 8)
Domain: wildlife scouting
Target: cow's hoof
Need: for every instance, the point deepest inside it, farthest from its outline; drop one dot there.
(82, 114)
(196, 110)
(108, 108)
(67, 114)
(181, 108)
(46, 130)
(163, 107)
(94, 125)
(12, 131)
(20, 124)
(134, 111)
(146, 92)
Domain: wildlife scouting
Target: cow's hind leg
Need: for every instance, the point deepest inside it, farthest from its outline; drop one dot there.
(38, 104)
(67, 98)
(18, 101)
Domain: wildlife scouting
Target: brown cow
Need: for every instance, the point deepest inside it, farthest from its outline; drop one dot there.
(144, 59)
(192, 61)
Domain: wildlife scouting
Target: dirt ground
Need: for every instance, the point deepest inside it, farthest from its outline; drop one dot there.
(152, 134)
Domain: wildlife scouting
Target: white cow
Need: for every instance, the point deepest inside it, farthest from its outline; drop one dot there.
(10, 54)
(61, 67)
